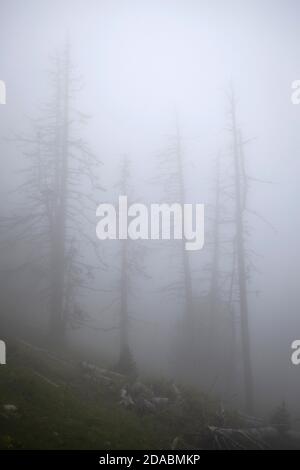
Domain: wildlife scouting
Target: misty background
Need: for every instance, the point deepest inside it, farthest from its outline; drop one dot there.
(145, 65)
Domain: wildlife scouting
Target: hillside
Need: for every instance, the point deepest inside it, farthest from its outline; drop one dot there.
(49, 402)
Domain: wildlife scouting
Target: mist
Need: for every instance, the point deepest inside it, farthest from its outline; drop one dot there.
(164, 102)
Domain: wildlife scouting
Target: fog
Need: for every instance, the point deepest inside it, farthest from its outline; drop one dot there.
(153, 76)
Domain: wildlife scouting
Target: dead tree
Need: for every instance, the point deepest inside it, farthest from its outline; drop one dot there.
(232, 260)
(214, 288)
(57, 201)
(125, 362)
(218, 326)
(172, 178)
(131, 267)
(240, 191)
(187, 280)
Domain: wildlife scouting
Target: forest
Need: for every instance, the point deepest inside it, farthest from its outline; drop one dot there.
(149, 225)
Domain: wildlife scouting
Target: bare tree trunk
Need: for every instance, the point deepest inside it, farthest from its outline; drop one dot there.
(214, 283)
(188, 295)
(241, 268)
(126, 362)
(58, 318)
(125, 355)
(57, 203)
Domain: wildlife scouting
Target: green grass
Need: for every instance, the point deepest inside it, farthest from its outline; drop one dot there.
(56, 418)
(81, 415)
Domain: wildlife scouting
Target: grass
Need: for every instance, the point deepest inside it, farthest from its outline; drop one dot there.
(76, 415)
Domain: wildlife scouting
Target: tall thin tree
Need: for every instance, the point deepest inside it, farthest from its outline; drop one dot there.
(240, 191)
(61, 177)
